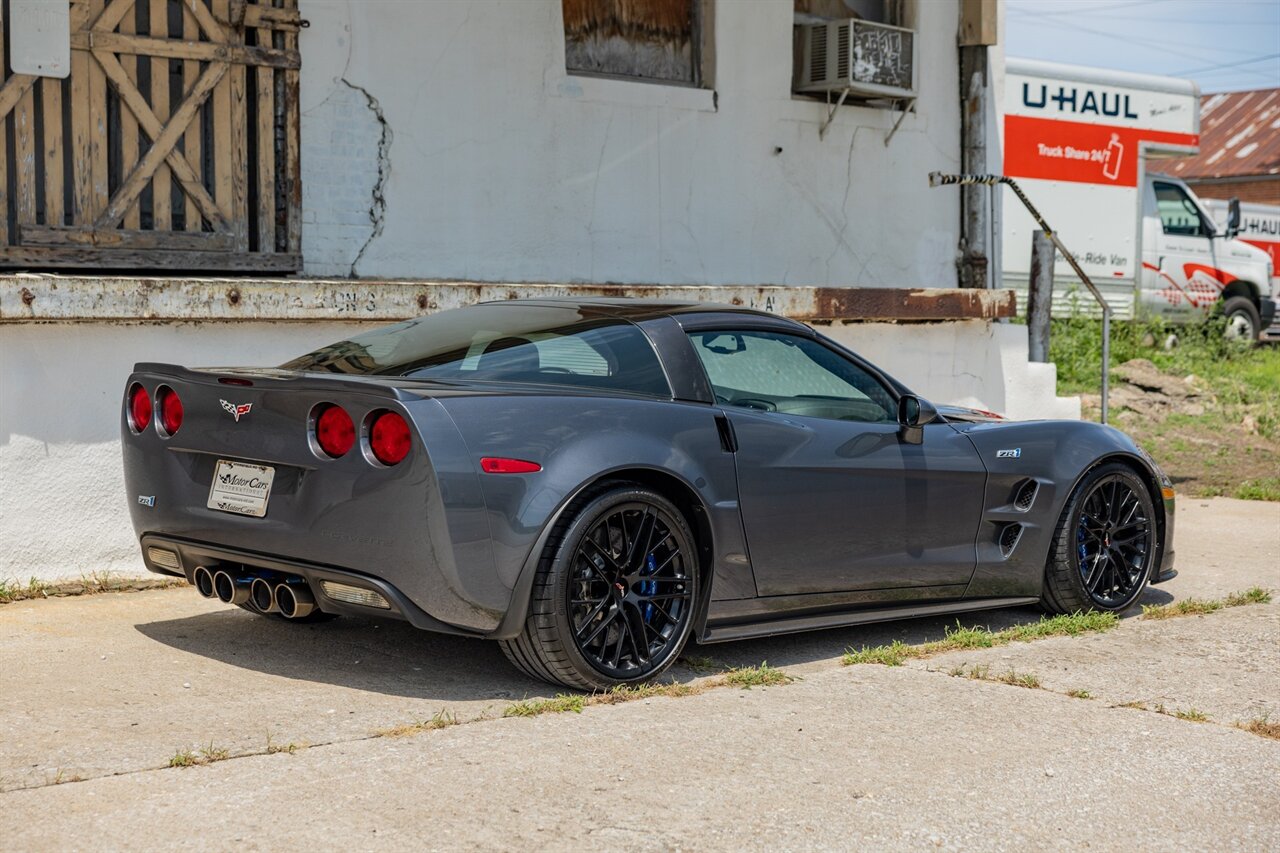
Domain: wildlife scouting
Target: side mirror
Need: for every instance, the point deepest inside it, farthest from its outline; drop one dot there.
(913, 414)
(1233, 218)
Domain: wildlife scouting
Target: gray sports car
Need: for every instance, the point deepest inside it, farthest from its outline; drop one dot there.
(590, 482)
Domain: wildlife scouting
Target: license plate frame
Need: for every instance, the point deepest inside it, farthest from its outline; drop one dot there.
(241, 488)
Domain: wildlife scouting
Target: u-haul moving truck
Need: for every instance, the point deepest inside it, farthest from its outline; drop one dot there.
(1259, 226)
(1084, 145)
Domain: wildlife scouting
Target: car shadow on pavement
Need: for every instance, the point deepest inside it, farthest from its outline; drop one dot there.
(383, 656)
(393, 658)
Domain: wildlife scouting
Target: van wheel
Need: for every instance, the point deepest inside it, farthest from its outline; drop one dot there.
(1244, 324)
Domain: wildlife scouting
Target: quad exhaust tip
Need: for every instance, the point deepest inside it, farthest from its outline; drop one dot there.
(262, 596)
(294, 600)
(291, 600)
(202, 578)
(230, 590)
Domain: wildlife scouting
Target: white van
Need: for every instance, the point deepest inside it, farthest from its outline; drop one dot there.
(1081, 143)
(1259, 226)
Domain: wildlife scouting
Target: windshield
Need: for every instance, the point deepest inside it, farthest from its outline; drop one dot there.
(503, 342)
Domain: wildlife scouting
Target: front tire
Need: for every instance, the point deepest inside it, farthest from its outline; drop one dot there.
(615, 593)
(1105, 544)
(1243, 322)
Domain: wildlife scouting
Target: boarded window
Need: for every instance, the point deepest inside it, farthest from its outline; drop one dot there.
(658, 40)
(172, 143)
(879, 11)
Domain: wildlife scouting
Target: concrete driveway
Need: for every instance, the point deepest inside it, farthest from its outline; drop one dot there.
(100, 693)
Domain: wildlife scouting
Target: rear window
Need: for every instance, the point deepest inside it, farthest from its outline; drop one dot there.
(503, 342)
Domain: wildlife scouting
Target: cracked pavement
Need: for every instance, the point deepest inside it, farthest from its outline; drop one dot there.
(108, 688)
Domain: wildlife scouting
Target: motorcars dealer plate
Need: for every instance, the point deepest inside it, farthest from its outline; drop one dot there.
(241, 488)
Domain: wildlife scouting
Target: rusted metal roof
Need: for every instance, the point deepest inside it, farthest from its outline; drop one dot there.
(1239, 137)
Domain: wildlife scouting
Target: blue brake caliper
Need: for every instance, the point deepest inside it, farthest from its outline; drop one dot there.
(1080, 547)
(649, 587)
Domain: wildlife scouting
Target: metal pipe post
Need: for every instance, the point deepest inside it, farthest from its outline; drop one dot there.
(939, 179)
(1040, 296)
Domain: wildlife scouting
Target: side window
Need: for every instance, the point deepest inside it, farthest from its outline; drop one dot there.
(1178, 213)
(775, 372)
(614, 356)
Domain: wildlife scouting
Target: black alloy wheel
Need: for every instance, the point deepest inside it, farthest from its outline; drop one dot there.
(1105, 544)
(630, 592)
(614, 598)
(1114, 539)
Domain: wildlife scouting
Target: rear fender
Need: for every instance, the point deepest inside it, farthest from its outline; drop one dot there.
(581, 442)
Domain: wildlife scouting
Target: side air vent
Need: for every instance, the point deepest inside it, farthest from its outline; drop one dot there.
(1009, 537)
(1025, 495)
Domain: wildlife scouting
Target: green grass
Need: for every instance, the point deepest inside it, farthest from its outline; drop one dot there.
(698, 663)
(1079, 694)
(960, 637)
(1020, 679)
(92, 583)
(205, 755)
(1192, 714)
(1236, 374)
(1200, 606)
(891, 655)
(1260, 489)
(557, 704)
(756, 676)
(982, 672)
(184, 758)
(745, 677)
(1232, 446)
(441, 719)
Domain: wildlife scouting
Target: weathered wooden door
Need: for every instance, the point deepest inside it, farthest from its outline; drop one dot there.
(172, 145)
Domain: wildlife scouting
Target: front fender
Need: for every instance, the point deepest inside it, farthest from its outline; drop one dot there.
(1056, 455)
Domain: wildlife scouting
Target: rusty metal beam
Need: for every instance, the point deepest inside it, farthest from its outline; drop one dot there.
(70, 299)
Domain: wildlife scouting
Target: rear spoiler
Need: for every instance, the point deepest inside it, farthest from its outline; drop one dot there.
(278, 378)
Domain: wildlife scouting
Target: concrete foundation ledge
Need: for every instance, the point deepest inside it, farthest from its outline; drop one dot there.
(70, 299)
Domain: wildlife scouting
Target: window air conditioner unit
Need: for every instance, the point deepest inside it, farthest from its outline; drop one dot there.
(865, 58)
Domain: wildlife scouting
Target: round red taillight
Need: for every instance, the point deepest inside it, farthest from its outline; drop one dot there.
(335, 431)
(389, 438)
(170, 410)
(139, 408)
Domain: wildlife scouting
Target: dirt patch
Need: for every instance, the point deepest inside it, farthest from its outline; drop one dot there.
(1206, 446)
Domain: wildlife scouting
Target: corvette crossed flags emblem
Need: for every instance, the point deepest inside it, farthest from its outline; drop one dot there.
(235, 409)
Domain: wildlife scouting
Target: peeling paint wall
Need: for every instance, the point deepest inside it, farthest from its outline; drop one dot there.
(454, 127)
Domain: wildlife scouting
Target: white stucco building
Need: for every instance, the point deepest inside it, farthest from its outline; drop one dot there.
(444, 142)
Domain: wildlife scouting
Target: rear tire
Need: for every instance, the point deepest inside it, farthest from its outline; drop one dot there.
(1243, 322)
(615, 592)
(1105, 544)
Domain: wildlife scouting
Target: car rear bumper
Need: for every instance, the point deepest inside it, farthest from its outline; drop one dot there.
(192, 554)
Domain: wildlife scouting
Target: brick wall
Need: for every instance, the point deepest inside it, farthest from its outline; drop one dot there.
(1246, 189)
(340, 140)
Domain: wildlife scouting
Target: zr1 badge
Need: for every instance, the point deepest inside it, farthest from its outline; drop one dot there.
(1009, 454)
